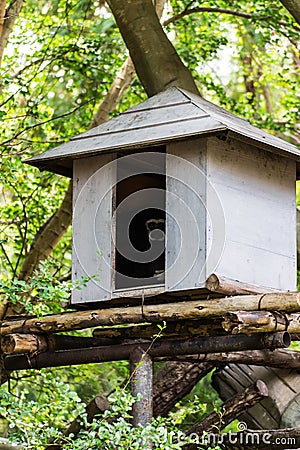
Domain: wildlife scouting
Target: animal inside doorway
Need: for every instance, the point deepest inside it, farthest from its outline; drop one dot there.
(140, 198)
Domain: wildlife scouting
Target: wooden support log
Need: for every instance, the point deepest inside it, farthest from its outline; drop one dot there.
(231, 409)
(23, 343)
(227, 286)
(160, 347)
(279, 439)
(249, 322)
(198, 309)
(180, 329)
(13, 344)
(141, 370)
(279, 358)
(98, 405)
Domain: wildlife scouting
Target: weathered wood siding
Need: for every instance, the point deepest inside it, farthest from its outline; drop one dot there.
(185, 214)
(92, 221)
(257, 193)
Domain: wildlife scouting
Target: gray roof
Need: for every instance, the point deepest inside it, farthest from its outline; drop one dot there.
(170, 115)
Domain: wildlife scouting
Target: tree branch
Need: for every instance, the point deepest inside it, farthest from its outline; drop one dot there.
(293, 6)
(230, 12)
(155, 59)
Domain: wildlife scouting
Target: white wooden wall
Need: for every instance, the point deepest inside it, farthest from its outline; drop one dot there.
(230, 210)
(185, 214)
(257, 192)
(93, 179)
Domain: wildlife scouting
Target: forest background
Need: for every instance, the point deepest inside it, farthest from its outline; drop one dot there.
(65, 68)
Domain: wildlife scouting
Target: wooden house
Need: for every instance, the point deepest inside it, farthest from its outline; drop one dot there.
(175, 189)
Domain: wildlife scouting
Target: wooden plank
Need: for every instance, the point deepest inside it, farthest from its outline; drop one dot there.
(186, 215)
(146, 118)
(128, 140)
(92, 212)
(241, 126)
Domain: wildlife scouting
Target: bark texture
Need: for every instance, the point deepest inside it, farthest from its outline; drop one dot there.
(155, 59)
(279, 358)
(8, 16)
(197, 309)
(293, 6)
(173, 382)
(249, 322)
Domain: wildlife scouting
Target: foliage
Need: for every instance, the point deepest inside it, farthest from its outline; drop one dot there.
(36, 417)
(42, 294)
(35, 411)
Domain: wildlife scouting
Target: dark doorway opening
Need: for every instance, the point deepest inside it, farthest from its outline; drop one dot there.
(140, 220)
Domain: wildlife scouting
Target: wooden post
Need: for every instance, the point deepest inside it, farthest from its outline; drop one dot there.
(141, 385)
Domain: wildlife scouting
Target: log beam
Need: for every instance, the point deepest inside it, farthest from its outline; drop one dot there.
(279, 358)
(160, 347)
(14, 344)
(198, 309)
(228, 286)
(231, 409)
(178, 329)
(249, 322)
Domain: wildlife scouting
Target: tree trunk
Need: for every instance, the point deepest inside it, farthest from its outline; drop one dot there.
(173, 382)
(48, 236)
(11, 15)
(293, 6)
(155, 59)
